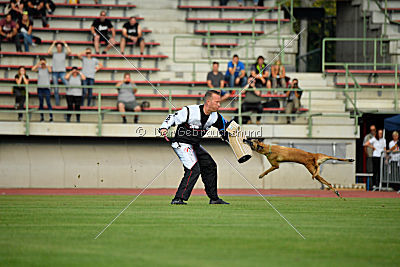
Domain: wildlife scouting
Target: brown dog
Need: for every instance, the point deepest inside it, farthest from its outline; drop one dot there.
(276, 154)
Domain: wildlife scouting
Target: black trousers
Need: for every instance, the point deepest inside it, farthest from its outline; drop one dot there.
(19, 99)
(257, 107)
(205, 166)
(376, 163)
(74, 103)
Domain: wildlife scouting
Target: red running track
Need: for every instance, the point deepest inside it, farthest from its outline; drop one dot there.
(196, 192)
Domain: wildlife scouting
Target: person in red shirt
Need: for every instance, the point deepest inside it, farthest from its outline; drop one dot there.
(9, 31)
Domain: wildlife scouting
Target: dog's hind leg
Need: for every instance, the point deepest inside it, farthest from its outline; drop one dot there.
(322, 180)
(274, 166)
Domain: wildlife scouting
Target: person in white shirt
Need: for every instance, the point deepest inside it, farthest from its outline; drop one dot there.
(378, 145)
(394, 146)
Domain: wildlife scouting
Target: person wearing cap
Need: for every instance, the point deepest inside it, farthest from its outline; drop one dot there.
(25, 26)
(74, 92)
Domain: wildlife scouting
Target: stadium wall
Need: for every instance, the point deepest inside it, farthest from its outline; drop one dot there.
(87, 162)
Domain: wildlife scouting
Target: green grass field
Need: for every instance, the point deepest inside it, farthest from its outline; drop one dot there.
(60, 231)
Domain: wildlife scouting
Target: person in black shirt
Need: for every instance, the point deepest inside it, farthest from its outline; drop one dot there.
(37, 8)
(100, 28)
(192, 124)
(293, 99)
(131, 32)
(15, 8)
(21, 78)
(25, 30)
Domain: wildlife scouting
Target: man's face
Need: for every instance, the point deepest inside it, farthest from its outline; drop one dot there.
(215, 67)
(372, 129)
(260, 61)
(395, 137)
(43, 63)
(8, 18)
(127, 78)
(59, 47)
(132, 21)
(102, 16)
(88, 52)
(235, 60)
(214, 102)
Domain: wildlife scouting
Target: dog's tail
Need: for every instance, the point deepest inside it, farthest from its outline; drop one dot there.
(340, 159)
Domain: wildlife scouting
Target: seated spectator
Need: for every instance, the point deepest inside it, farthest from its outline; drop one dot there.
(260, 74)
(74, 94)
(293, 99)
(126, 97)
(378, 144)
(215, 79)
(50, 6)
(252, 102)
(90, 65)
(131, 32)
(37, 8)
(25, 27)
(59, 69)
(9, 32)
(394, 145)
(16, 8)
(278, 74)
(100, 28)
(21, 78)
(43, 88)
(236, 73)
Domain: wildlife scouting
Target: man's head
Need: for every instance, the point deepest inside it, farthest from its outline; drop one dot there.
(395, 135)
(42, 61)
(380, 134)
(372, 130)
(103, 16)
(127, 77)
(235, 59)
(132, 20)
(8, 18)
(260, 60)
(88, 52)
(215, 66)
(212, 100)
(59, 47)
(295, 83)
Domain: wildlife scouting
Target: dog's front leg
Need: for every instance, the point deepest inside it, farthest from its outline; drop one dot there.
(268, 171)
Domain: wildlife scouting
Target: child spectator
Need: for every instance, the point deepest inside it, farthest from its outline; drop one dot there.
(260, 74)
(131, 32)
(293, 99)
(90, 65)
(21, 78)
(25, 27)
(74, 94)
(37, 8)
(59, 65)
(126, 97)
(236, 73)
(9, 32)
(43, 86)
(278, 74)
(215, 79)
(100, 28)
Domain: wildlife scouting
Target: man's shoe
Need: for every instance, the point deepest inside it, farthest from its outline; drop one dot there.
(178, 201)
(218, 201)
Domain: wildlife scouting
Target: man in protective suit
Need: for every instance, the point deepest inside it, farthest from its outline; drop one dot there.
(192, 123)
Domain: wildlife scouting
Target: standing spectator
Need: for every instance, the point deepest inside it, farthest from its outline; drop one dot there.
(394, 146)
(25, 27)
(21, 79)
(378, 145)
(236, 74)
(74, 94)
(59, 65)
(215, 79)
(16, 8)
(131, 32)
(293, 99)
(368, 150)
(90, 65)
(126, 97)
(9, 32)
(100, 28)
(37, 8)
(43, 85)
(252, 102)
(260, 74)
(278, 74)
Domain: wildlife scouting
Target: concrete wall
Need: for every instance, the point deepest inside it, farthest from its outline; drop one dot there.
(67, 162)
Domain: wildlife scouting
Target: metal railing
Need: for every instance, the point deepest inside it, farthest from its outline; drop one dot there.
(100, 112)
(390, 169)
(249, 40)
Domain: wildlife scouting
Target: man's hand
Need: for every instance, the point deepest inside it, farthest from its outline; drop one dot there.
(237, 80)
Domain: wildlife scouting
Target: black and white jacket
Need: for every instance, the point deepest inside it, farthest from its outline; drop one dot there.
(192, 124)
